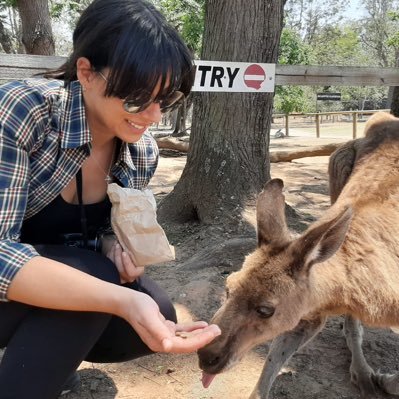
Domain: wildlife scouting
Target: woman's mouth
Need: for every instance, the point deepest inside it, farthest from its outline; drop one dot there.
(135, 125)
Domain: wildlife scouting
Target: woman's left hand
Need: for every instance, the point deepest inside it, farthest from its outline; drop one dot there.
(128, 271)
(162, 335)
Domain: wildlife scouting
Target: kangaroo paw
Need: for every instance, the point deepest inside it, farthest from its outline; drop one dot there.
(364, 379)
(389, 383)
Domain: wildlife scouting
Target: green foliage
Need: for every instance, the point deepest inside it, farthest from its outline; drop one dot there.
(363, 97)
(378, 31)
(393, 40)
(292, 51)
(307, 17)
(58, 8)
(290, 99)
(338, 45)
(8, 3)
(187, 16)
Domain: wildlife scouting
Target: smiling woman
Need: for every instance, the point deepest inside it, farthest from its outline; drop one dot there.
(63, 138)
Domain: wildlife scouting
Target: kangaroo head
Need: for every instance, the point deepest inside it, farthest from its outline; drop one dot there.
(269, 295)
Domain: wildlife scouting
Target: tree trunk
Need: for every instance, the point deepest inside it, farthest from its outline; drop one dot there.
(228, 159)
(395, 102)
(5, 39)
(179, 129)
(393, 94)
(37, 34)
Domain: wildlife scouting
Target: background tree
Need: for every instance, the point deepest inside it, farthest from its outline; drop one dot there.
(307, 17)
(187, 16)
(5, 38)
(10, 27)
(37, 34)
(28, 16)
(228, 159)
(376, 28)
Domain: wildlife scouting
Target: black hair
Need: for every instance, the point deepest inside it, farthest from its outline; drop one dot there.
(134, 40)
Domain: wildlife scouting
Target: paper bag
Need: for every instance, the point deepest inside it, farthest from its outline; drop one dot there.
(134, 221)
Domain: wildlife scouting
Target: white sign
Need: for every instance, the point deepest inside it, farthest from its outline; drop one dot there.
(234, 76)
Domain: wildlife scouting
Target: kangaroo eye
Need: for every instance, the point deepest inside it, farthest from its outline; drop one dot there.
(265, 311)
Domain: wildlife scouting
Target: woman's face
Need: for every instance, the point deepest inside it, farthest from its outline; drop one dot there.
(107, 117)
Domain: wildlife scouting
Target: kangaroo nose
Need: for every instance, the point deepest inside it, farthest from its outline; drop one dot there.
(213, 361)
(207, 359)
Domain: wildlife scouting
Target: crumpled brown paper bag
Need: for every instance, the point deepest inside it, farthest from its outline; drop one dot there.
(134, 221)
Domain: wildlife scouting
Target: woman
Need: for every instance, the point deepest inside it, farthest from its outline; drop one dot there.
(63, 138)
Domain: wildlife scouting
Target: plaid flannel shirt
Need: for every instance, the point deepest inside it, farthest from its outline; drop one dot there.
(44, 139)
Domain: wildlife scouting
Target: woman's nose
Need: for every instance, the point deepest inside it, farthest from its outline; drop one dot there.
(153, 112)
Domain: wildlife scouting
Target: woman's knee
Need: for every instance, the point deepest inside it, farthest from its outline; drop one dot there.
(90, 262)
(167, 309)
(158, 294)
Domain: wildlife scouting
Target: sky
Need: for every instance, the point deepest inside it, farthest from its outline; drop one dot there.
(355, 9)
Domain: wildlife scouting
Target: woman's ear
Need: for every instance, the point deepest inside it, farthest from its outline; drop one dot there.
(84, 72)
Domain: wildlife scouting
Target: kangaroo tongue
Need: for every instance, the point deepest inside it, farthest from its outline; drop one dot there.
(207, 379)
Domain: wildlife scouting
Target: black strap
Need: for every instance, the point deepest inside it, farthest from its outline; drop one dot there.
(83, 219)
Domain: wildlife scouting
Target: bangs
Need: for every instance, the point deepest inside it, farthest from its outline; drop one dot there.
(136, 70)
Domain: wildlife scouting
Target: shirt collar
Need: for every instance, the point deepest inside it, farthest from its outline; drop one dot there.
(73, 124)
(126, 156)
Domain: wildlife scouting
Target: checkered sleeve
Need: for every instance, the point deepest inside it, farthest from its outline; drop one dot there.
(17, 121)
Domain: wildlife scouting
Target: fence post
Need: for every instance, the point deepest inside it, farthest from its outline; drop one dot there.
(287, 131)
(354, 119)
(317, 125)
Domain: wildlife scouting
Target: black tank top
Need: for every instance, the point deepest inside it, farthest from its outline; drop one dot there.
(60, 217)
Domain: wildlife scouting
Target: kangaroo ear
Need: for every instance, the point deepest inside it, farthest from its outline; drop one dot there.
(270, 214)
(320, 242)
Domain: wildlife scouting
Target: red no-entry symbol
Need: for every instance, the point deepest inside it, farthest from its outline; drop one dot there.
(254, 76)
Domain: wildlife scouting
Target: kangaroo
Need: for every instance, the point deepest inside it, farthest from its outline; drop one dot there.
(346, 263)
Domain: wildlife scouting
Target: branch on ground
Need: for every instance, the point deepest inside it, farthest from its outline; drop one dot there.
(275, 156)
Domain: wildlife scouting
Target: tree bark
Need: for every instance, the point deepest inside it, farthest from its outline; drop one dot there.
(395, 101)
(179, 129)
(37, 34)
(228, 159)
(5, 39)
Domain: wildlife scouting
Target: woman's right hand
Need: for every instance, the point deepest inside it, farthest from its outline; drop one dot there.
(163, 335)
(128, 271)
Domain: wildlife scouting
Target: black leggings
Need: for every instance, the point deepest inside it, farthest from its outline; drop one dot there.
(44, 347)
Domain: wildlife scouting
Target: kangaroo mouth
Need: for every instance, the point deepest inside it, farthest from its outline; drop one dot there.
(216, 358)
(212, 363)
(207, 379)
(210, 371)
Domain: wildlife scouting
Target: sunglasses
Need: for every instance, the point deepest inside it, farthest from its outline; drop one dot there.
(166, 104)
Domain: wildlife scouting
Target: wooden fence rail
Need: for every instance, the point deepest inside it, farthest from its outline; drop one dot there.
(19, 66)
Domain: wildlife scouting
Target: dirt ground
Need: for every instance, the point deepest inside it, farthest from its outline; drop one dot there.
(320, 371)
